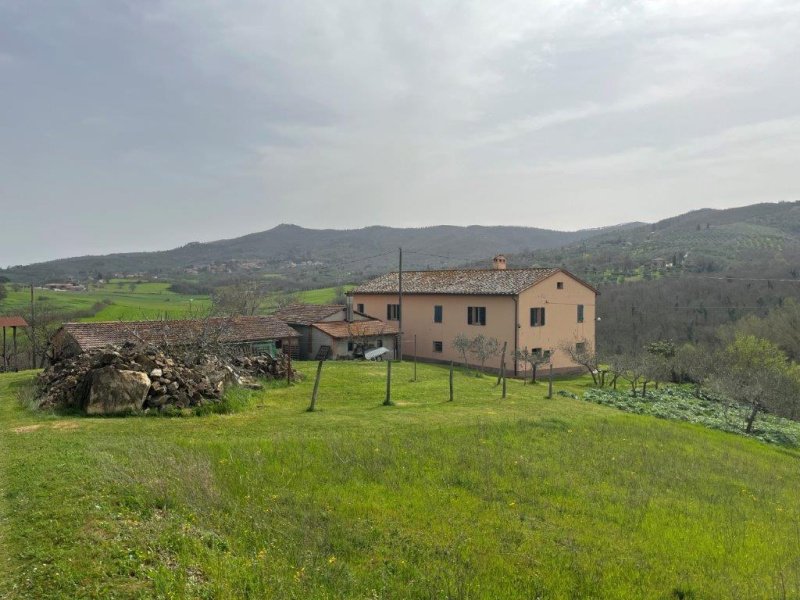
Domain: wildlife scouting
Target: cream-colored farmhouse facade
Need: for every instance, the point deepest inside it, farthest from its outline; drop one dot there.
(538, 309)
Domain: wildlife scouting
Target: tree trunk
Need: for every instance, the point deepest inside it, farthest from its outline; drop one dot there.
(752, 418)
(502, 362)
(644, 390)
(533, 376)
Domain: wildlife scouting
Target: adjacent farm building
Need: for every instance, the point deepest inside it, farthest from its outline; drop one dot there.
(255, 335)
(336, 331)
(543, 310)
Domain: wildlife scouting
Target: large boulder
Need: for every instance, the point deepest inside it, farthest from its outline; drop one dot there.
(112, 391)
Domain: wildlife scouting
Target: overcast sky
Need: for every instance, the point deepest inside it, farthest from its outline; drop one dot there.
(145, 124)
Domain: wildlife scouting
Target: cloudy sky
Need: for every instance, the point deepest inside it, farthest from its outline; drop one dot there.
(146, 124)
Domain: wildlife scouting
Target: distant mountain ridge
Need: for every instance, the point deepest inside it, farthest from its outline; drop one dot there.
(293, 249)
(755, 238)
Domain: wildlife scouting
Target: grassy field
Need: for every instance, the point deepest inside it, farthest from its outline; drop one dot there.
(121, 300)
(480, 498)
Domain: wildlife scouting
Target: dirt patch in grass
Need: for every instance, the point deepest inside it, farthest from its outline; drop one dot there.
(26, 428)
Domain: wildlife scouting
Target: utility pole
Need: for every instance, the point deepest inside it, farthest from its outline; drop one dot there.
(33, 331)
(400, 306)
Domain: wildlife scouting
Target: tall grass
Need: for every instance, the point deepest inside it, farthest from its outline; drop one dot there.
(478, 498)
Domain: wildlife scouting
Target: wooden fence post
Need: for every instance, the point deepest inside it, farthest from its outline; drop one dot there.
(388, 401)
(451, 381)
(502, 362)
(313, 406)
(415, 357)
(289, 364)
(550, 383)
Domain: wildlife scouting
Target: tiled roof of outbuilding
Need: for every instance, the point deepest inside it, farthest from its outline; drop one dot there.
(228, 330)
(356, 329)
(501, 282)
(306, 314)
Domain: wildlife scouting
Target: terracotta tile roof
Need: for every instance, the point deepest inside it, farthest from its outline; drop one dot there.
(343, 329)
(13, 322)
(504, 282)
(306, 314)
(235, 329)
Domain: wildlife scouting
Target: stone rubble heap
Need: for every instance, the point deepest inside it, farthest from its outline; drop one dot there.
(124, 379)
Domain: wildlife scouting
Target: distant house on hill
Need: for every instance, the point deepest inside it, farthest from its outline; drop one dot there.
(337, 331)
(258, 334)
(541, 309)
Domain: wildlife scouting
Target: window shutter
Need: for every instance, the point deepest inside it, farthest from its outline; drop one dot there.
(469, 315)
(543, 315)
(388, 312)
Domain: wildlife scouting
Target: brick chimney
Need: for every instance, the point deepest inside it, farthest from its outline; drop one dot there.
(499, 262)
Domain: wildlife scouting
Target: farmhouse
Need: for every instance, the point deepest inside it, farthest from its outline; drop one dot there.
(539, 309)
(256, 335)
(336, 330)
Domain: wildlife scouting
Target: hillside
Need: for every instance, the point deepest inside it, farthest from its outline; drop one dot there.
(746, 239)
(307, 253)
(478, 498)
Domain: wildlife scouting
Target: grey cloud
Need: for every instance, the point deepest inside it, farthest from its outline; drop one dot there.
(224, 118)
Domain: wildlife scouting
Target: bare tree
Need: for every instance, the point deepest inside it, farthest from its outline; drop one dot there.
(583, 353)
(534, 358)
(243, 298)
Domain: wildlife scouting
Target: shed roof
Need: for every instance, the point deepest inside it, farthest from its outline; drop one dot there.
(13, 322)
(492, 282)
(306, 314)
(228, 330)
(343, 329)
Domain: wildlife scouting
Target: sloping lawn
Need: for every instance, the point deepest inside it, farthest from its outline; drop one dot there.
(479, 498)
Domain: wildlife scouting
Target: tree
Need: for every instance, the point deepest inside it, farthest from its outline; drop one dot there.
(243, 298)
(532, 358)
(583, 353)
(484, 348)
(462, 345)
(694, 363)
(756, 373)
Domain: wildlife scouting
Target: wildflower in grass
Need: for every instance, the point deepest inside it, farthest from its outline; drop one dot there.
(262, 554)
(331, 559)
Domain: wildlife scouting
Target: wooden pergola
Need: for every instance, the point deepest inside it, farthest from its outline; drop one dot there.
(13, 323)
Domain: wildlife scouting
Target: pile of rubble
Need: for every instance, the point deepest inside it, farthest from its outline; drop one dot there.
(129, 378)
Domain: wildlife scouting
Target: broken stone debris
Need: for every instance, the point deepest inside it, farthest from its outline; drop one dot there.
(126, 379)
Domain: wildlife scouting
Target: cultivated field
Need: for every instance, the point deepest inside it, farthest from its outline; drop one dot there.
(480, 498)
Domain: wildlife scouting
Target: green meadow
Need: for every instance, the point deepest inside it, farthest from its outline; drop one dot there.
(483, 497)
(122, 300)
(116, 300)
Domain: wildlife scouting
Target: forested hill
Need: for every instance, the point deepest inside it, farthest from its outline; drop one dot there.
(758, 239)
(327, 252)
(683, 278)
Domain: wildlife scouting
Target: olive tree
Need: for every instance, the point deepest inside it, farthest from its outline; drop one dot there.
(755, 372)
(534, 358)
(462, 344)
(484, 348)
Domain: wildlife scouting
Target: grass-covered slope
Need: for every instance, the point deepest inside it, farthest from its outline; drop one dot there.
(480, 498)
